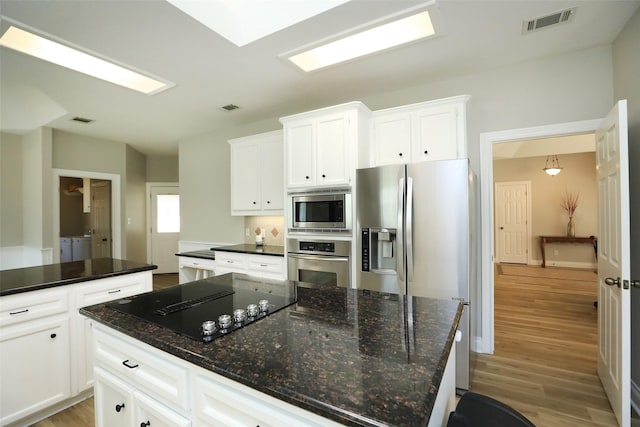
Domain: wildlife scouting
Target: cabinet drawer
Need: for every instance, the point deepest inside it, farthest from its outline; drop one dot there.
(112, 288)
(32, 305)
(228, 261)
(199, 263)
(221, 402)
(141, 366)
(266, 266)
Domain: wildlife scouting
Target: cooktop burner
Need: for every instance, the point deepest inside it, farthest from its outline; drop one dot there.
(208, 309)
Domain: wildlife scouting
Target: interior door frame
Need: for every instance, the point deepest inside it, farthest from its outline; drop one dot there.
(149, 186)
(485, 342)
(116, 227)
(529, 227)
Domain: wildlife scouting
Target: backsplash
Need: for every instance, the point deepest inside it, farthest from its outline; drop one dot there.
(272, 225)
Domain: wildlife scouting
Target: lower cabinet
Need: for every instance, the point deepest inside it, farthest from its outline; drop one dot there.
(119, 404)
(265, 266)
(139, 385)
(35, 367)
(191, 269)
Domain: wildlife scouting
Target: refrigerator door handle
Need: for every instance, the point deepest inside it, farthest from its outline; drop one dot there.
(409, 229)
(400, 233)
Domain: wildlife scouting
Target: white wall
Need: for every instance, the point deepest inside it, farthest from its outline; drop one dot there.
(10, 190)
(626, 78)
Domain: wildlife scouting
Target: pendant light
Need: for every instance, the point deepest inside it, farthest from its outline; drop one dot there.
(555, 168)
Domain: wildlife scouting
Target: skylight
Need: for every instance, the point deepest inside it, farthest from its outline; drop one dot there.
(243, 21)
(59, 54)
(376, 39)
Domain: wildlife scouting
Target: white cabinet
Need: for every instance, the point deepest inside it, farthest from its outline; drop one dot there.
(34, 351)
(257, 178)
(434, 130)
(321, 146)
(191, 269)
(265, 266)
(138, 385)
(119, 404)
(46, 346)
(97, 292)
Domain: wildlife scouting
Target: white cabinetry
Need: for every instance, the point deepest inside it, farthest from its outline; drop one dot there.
(257, 178)
(321, 146)
(265, 266)
(152, 386)
(191, 269)
(38, 329)
(434, 130)
(34, 348)
(97, 292)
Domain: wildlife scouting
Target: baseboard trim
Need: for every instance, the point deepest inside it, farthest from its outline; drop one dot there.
(566, 264)
(635, 397)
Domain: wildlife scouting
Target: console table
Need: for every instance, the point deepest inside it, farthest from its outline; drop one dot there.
(593, 240)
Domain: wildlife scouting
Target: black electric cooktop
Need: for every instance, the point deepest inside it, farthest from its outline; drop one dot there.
(185, 308)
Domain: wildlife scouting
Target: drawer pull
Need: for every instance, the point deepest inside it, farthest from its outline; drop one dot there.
(119, 407)
(148, 423)
(264, 265)
(230, 261)
(114, 292)
(18, 312)
(128, 365)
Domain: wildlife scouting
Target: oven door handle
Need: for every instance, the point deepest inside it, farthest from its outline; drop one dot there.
(319, 257)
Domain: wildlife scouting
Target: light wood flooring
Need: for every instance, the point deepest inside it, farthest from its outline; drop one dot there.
(545, 357)
(545, 350)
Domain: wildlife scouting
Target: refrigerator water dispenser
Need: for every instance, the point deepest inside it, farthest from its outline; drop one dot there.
(379, 250)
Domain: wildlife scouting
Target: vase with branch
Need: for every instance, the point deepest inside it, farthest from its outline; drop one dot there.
(570, 204)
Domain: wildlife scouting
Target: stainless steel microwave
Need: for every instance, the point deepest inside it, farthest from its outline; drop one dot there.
(321, 211)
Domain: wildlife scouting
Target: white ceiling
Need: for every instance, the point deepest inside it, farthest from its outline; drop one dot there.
(209, 71)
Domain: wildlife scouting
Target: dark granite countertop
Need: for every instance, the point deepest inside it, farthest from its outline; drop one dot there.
(27, 279)
(206, 254)
(253, 249)
(358, 357)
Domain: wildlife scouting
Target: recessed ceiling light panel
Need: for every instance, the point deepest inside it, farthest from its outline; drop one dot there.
(361, 43)
(46, 49)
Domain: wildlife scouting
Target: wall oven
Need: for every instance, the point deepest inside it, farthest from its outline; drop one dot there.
(323, 263)
(320, 211)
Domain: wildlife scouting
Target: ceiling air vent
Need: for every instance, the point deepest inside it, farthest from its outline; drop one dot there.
(229, 107)
(547, 21)
(82, 120)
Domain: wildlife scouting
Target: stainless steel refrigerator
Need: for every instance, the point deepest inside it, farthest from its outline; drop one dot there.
(413, 232)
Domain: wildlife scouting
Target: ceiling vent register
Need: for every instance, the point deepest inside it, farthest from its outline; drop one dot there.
(547, 21)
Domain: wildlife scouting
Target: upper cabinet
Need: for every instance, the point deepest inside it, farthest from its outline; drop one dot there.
(321, 146)
(257, 178)
(434, 130)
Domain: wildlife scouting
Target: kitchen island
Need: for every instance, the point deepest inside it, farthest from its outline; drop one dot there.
(336, 357)
(45, 345)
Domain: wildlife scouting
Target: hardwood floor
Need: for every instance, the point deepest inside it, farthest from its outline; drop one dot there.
(545, 357)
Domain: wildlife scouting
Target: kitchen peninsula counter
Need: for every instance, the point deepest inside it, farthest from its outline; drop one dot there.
(355, 357)
(19, 280)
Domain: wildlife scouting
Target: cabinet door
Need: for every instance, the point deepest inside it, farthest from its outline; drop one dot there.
(392, 139)
(300, 158)
(151, 413)
(245, 178)
(112, 400)
(272, 176)
(435, 134)
(332, 150)
(35, 368)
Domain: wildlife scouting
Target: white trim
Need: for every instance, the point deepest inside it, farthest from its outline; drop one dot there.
(487, 139)
(116, 228)
(149, 186)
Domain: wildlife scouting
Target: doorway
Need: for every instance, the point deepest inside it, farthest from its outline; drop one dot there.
(163, 233)
(114, 217)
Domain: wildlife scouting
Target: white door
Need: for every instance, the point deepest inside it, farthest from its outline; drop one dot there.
(101, 219)
(511, 219)
(165, 228)
(614, 319)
